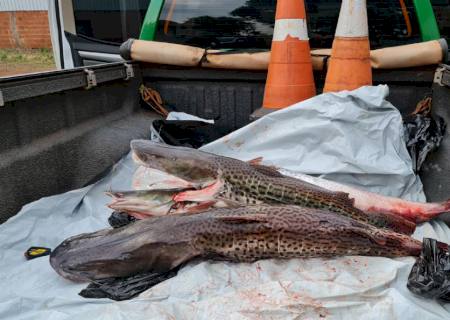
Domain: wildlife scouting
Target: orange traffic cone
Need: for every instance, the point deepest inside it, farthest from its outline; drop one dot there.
(290, 75)
(349, 67)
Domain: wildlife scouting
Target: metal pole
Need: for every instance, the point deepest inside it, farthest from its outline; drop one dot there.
(427, 21)
(148, 29)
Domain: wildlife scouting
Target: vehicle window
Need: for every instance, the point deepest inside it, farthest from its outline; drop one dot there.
(392, 23)
(218, 24)
(442, 13)
(249, 23)
(109, 20)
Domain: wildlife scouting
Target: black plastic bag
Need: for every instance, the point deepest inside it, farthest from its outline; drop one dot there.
(119, 219)
(125, 288)
(187, 133)
(423, 133)
(430, 275)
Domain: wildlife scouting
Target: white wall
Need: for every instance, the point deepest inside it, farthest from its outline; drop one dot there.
(23, 5)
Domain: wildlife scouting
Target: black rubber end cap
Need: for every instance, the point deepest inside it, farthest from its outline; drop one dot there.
(125, 49)
(444, 46)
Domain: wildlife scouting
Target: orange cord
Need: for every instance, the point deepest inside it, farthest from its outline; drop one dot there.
(153, 99)
(406, 17)
(169, 16)
(423, 106)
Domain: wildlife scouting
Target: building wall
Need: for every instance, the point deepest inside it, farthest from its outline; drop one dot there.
(24, 29)
(23, 5)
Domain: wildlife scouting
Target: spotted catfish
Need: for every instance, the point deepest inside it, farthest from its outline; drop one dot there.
(243, 234)
(234, 182)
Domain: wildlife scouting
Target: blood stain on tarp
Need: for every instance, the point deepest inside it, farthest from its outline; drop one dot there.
(306, 301)
(303, 273)
(229, 281)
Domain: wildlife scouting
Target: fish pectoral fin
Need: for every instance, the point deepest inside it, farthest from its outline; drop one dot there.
(205, 194)
(248, 218)
(370, 235)
(125, 288)
(226, 203)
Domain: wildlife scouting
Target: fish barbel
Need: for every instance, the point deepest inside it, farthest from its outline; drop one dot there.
(243, 234)
(235, 182)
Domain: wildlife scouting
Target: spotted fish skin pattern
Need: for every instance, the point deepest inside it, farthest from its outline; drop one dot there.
(264, 232)
(243, 234)
(247, 184)
(250, 185)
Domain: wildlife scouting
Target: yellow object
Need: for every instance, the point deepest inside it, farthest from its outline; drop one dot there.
(36, 252)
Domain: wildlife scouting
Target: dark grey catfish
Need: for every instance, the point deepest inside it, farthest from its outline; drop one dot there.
(242, 234)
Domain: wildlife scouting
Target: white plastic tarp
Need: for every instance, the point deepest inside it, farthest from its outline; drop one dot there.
(352, 137)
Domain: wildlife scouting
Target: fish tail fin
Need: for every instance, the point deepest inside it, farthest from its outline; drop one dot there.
(445, 207)
(430, 275)
(387, 238)
(394, 222)
(434, 212)
(120, 289)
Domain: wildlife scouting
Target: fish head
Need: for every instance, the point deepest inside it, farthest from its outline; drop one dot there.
(197, 167)
(74, 258)
(142, 246)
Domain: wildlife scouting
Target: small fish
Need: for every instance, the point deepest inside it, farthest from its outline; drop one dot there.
(143, 204)
(236, 182)
(243, 234)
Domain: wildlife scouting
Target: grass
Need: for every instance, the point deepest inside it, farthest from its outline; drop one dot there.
(39, 56)
(17, 61)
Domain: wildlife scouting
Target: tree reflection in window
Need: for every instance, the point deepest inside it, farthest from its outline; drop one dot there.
(249, 23)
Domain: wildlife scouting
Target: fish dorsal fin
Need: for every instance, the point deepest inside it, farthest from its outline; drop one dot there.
(255, 161)
(271, 171)
(345, 197)
(267, 170)
(375, 237)
(244, 219)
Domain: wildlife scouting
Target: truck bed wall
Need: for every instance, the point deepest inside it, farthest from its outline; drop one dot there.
(231, 96)
(60, 141)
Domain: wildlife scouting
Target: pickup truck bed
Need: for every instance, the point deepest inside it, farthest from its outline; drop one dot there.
(56, 135)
